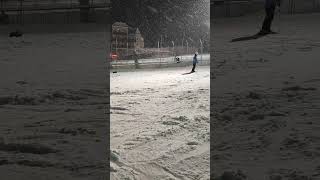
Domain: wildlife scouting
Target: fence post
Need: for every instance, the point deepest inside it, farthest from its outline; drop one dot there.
(201, 47)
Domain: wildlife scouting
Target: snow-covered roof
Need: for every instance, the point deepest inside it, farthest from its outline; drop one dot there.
(122, 24)
(138, 31)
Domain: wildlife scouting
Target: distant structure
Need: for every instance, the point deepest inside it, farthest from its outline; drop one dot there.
(136, 40)
(120, 33)
(125, 39)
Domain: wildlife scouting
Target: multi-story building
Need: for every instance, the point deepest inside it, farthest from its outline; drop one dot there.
(125, 39)
(120, 36)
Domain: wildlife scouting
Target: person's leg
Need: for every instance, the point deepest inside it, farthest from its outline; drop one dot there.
(265, 21)
(194, 66)
(270, 18)
(266, 27)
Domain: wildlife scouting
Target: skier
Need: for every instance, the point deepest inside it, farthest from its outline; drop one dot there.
(270, 6)
(136, 57)
(194, 62)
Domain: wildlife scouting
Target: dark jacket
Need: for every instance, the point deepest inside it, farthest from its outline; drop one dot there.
(195, 60)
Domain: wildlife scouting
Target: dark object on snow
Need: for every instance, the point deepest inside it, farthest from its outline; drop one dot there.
(136, 59)
(177, 59)
(270, 7)
(233, 176)
(252, 37)
(26, 148)
(194, 62)
(266, 26)
(188, 73)
(16, 33)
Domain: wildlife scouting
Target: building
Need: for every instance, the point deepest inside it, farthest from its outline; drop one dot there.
(120, 35)
(125, 39)
(136, 40)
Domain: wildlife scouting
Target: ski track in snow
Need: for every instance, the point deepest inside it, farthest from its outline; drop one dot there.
(163, 132)
(265, 108)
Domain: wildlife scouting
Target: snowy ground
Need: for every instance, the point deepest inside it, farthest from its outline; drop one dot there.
(52, 106)
(160, 124)
(265, 98)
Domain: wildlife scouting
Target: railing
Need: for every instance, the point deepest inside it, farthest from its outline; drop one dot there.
(154, 57)
(167, 61)
(229, 8)
(37, 5)
(55, 11)
(298, 6)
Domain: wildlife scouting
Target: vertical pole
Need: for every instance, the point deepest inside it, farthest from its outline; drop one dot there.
(229, 8)
(187, 47)
(201, 52)
(92, 12)
(21, 12)
(159, 51)
(160, 46)
(127, 42)
(116, 45)
(111, 46)
(173, 48)
(84, 10)
(183, 41)
(70, 13)
(160, 41)
(201, 47)
(127, 49)
(292, 6)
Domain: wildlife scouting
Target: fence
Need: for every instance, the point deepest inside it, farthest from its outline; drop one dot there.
(228, 8)
(130, 53)
(185, 60)
(162, 57)
(300, 6)
(233, 8)
(55, 11)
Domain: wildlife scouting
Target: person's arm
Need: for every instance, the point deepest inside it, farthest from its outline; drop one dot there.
(278, 2)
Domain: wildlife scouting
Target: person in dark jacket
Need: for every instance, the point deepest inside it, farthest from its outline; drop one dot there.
(194, 62)
(270, 7)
